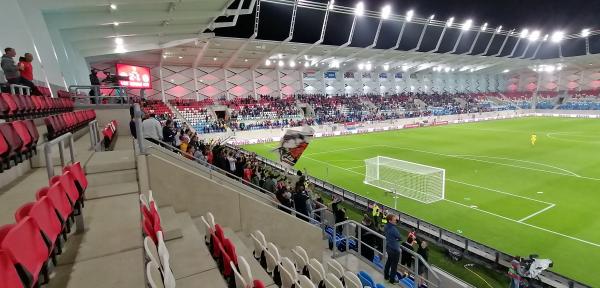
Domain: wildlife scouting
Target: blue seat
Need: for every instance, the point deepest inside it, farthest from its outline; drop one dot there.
(366, 279)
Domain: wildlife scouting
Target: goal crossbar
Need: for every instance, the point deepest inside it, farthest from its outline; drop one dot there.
(416, 181)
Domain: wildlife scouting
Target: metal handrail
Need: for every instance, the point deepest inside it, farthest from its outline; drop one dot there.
(60, 140)
(360, 226)
(94, 135)
(21, 89)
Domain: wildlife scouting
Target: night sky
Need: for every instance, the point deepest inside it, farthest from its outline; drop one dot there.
(547, 16)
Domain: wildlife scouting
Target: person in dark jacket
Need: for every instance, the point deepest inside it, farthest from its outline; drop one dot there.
(392, 248)
(423, 251)
(339, 214)
(367, 238)
(300, 198)
(96, 82)
(169, 132)
(132, 128)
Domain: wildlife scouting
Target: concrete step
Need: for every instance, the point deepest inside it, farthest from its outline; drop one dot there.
(112, 225)
(110, 190)
(123, 270)
(110, 161)
(115, 177)
(188, 254)
(170, 223)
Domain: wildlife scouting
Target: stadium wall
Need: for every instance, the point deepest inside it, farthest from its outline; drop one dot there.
(176, 183)
(574, 80)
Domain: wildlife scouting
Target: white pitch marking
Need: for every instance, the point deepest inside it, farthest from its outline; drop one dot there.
(498, 191)
(487, 212)
(540, 192)
(517, 160)
(536, 213)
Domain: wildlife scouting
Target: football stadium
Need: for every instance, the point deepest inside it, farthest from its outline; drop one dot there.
(299, 144)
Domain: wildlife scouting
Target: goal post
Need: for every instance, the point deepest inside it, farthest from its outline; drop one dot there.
(411, 180)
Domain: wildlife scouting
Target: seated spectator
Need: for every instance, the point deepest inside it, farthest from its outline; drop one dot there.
(12, 72)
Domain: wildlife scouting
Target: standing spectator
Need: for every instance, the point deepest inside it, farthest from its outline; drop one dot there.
(301, 202)
(132, 128)
(94, 81)
(423, 250)
(513, 272)
(339, 214)
(392, 236)
(407, 258)
(13, 73)
(368, 238)
(248, 173)
(168, 132)
(232, 162)
(151, 129)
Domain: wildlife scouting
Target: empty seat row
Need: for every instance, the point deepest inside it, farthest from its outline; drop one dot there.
(158, 268)
(18, 141)
(68, 122)
(40, 230)
(302, 272)
(21, 106)
(235, 269)
(109, 132)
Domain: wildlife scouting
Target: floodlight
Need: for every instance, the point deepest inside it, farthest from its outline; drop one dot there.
(280, 63)
(405, 68)
(585, 32)
(180, 57)
(330, 7)
(546, 37)
(368, 66)
(499, 29)
(431, 17)
(505, 71)
(360, 9)
(361, 66)
(534, 36)
(215, 59)
(558, 36)
(386, 67)
(450, 21)
(119, 41)
(268, 62)
(385, 11)
(245, 60)
(116, 23)
(447, 69)
(484, 27)
(292, 63)
(467, 25)
(306, 64)
(524, 33)
(410, 14)
(113, 6)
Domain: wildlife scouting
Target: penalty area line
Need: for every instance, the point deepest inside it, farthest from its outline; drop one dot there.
(486, 212)
(536, 213)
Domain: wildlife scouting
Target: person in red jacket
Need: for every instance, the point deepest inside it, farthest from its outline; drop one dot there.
(25, 67)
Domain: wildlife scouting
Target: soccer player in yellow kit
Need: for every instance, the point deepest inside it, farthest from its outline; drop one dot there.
(533, 139)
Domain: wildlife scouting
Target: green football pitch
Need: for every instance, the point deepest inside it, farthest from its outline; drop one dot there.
(500, 190)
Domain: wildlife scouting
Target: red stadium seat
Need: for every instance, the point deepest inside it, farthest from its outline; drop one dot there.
(149, 230)
(44, 215)
(79, 174)
(35, 136)
(28, 248)
(60, 201)
(14, 142)
(13, 109)
(258, 284)
(67, 183)
(4, 153)
(9, 277)
(4, 110)
(21, 129)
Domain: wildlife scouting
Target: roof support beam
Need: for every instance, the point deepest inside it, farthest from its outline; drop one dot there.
(282, 43)
(235, 55)
(504, 43)
(200, 54)
(487, 48)
(322, 37)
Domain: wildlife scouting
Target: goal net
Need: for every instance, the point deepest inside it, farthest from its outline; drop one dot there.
(415, 181)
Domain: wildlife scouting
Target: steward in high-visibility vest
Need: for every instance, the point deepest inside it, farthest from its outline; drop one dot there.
(384, 219)
(376, 212)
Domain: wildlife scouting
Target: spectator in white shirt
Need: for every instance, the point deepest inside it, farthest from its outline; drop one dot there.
(152, 129)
